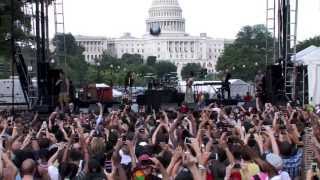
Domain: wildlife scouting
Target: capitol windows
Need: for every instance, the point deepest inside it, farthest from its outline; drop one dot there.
(158, 56)
(142, 50)
(88, 57)
(159, 49)
(132, 50)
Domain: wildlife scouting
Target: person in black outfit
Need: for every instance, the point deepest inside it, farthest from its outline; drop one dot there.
(226, 85)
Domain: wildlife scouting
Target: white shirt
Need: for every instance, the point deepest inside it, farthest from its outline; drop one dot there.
(283, 176)
(53, 173)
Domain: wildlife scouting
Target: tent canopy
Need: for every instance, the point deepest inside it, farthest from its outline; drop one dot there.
(300, 56)
(311, 58)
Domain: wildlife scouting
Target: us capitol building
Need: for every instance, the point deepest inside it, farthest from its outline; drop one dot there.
(172, 44)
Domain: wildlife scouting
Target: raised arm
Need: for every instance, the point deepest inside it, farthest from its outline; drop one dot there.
(161, 168)
(275, 147)
(155, 133)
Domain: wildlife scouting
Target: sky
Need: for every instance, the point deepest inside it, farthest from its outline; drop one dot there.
(217, 18)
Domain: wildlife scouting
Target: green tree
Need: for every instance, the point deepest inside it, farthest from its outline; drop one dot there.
(191, 68)
(247, 54)
(21, 30)
(306, 43)
(143, 69)
(151, 60)
(132, 58)
(108, 61)
(164, 67)
(76, 66)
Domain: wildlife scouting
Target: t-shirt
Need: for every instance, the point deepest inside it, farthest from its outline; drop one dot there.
(253, 169)
(53, 173)
(139, 175)
(283, 176)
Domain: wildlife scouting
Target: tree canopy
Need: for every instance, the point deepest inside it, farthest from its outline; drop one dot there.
(151, 60)
(76, 66)
(247, 53)
(21, 31)
(164, 67)
(308, 42)
(191, 68)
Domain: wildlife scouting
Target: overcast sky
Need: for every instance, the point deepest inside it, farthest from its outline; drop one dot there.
(218, 18)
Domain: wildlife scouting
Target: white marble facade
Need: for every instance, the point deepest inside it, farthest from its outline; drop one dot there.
(173, 44)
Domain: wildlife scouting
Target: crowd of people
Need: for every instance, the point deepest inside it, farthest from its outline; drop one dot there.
(211, 143)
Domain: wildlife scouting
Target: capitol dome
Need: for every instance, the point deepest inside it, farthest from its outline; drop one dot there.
(168, 15)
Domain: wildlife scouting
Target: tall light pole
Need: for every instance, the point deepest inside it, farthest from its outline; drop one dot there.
(111, 73)
(98, 72)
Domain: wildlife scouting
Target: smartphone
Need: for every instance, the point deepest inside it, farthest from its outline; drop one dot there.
(108, 166)
(141, 130)
(45, 124)
(124, 138)
(314, 167)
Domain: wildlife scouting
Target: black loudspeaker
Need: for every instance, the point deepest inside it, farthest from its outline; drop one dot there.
(274, 85)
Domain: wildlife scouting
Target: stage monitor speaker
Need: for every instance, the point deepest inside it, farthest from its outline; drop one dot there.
(274, 84)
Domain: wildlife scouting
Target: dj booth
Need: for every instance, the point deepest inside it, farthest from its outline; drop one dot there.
(156, 98)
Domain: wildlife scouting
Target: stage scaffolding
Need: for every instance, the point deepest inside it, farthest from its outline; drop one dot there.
(281, 23)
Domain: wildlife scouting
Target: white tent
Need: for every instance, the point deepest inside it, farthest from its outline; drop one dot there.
(311, 58)
(115, 93)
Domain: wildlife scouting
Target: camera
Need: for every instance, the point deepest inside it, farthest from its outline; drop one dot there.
(141, 130)
(187, 140)
(124, 138)
(314, 167)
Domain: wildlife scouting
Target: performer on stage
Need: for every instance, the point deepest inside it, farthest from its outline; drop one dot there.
(189, 96)
(260, 89)
(129, 80)
(226, 85)
(64, 89)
